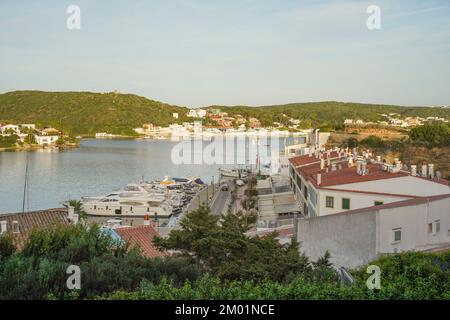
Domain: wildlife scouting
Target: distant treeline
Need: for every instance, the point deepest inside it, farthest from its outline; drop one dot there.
(85, 113)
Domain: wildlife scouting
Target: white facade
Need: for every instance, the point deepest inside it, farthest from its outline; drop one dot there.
(356, 237)
(12, 127)
(28, 126)
(46, 140)
(196, 113)
(407, 185)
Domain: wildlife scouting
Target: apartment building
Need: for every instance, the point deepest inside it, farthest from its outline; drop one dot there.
(356, 237)
(334, 181)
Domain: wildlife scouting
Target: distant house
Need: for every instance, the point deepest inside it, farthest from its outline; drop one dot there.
(50, 131)
(30, 126)
(254, 123)
(46, 140)
(175, 115)
(196, 113)
(10, 127)
(21, 224)
(348, 121)
(141, 237)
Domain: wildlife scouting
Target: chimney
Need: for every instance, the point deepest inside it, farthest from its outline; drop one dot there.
(322, 164)
(431, 170)
(3, 226)
(424, 170)
(363, 168)
(413, 170)
(358, 167)
(146, 220)
(350, 162)
(319, 179)
(73, 217)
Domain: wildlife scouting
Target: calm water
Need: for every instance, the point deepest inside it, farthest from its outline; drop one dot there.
(96, 167)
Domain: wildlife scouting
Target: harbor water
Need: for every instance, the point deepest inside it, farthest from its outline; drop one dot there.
(96, 167)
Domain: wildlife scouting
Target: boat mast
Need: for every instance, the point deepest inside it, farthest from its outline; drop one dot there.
(25, 185)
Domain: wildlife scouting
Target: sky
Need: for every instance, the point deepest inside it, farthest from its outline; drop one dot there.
(232, 52)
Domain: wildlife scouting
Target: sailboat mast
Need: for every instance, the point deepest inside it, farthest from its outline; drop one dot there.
(25, 185)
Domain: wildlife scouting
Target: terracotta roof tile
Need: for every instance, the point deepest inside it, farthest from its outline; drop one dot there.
(32, 220)
(141, 236)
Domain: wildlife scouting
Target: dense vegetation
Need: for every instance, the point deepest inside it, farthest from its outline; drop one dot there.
(83, 112)
(207, 267)
(431, 134)
(331, 113)
(87, 113)
(8, 141)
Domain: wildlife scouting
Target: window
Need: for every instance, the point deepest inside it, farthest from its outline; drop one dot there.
(329, 202)
(15, 225)
(378, 203)
(345, 203)
(397, 235)
(430, 228)
(437, 226)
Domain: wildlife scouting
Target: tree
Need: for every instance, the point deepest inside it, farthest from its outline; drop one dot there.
(432, 134)
(221, 245)
(7, 247)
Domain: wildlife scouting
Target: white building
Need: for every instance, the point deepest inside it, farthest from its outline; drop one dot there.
(31, 126)
(175, 115)
(330, 182)
(355, 237)
(46, 140)
(196, 113)
(10, 127)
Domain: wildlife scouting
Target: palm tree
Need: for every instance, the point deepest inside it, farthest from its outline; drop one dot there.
(78, 208)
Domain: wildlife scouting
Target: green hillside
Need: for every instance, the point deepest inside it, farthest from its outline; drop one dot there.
(331, 112)
(86, 113)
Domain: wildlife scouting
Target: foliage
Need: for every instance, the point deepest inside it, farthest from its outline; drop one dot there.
(221, 245)
(8, 141)
(39, 270)
(30, 139)
(239, 267)
(7, 247)
(432, 134)
(77, 113)
(373, 142)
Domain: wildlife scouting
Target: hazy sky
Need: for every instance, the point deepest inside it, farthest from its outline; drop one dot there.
(254, 52)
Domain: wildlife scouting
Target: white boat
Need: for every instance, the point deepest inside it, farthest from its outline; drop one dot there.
(233, 173)
(160, 199)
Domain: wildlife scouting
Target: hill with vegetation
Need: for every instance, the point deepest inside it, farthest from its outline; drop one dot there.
(331, 113)
(85, 113)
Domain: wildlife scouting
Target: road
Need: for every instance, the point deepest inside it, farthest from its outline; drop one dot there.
(219, 202)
